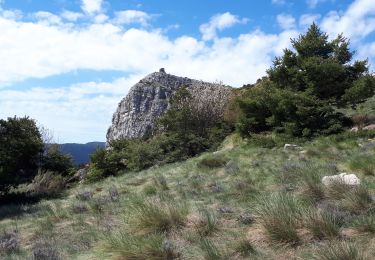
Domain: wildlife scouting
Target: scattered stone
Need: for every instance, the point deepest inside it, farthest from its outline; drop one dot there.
(84, 196)
(354, 129)
(43, 251)
(225, 210)
(79, 208)
(369, 127)
(292, 147)
(348, 179)
(246, 219)
(114, 194)
(216, 188)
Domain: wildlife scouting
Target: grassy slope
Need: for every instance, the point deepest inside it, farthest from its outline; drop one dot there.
(204, 212)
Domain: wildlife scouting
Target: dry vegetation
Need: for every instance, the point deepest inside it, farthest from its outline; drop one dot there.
(241, 202)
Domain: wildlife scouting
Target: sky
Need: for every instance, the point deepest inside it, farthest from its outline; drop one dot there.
(68, 63)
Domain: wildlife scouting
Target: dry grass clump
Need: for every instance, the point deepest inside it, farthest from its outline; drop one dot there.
(153, 247)
(364, 163)
(153, 215)
(340, 250)
(208, 223)
(323, 225)
(279, 214)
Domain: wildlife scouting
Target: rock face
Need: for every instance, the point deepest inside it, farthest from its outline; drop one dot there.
(149, 99)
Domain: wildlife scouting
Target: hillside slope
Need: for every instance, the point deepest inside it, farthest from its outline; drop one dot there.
(241, 202)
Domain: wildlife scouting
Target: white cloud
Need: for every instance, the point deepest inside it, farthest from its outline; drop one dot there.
(77, 113)
(307, 19)
(71, 16)
(219, 22)
(279, 2)
(356, 22)
(47, 18)
(286, 21)
(91, 6)
(132, 16)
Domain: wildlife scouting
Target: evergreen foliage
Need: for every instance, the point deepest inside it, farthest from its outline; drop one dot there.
(304, 87)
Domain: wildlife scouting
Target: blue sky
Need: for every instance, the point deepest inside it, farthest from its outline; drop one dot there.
(67, 63)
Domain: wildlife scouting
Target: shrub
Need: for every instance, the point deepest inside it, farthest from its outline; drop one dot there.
(20, 147)
(9, 242)
(149, 216)
(279, 214)
(44, 251)
(47, 183)
(213, 161)
(54, 160)
(339, 251)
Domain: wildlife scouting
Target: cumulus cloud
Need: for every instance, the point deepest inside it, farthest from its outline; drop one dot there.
(357, 22)
(77, 113)
(279, 2)
(50, 46)
(91, 6)
(219, 22)
(132, 16)
(307, 19)
(71, 16)
(286, 21)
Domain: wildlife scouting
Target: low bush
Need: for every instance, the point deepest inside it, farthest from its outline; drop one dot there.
(47, 184)
(213, 161)
(9, 242)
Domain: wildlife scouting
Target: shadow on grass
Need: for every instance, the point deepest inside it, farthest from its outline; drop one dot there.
(18, 204)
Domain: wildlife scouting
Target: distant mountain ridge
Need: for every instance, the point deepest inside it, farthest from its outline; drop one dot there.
(81, 152)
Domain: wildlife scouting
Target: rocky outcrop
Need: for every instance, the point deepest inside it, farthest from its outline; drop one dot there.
(149, 99)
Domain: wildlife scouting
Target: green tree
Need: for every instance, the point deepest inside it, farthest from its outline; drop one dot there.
(323, 68)
(304, 87)
(21, 146)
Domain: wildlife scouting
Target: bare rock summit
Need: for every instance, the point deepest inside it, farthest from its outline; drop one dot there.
(147, 100)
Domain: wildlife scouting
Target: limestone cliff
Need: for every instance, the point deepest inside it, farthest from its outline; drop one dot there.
(149, 99)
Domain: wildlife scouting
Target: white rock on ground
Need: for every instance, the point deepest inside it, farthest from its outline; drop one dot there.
(292, 147)
(348, 179)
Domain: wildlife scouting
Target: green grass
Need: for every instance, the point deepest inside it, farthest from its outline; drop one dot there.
(279, 214)
(174, 211)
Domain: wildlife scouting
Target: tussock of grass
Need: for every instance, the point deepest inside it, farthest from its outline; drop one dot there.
(153, 247)
(364, 163)
(366, 224)
(357, 199)
(151, 215)
(208, 223)
(339, 251)
(323, 225)
(279, 214)
(210, 250)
